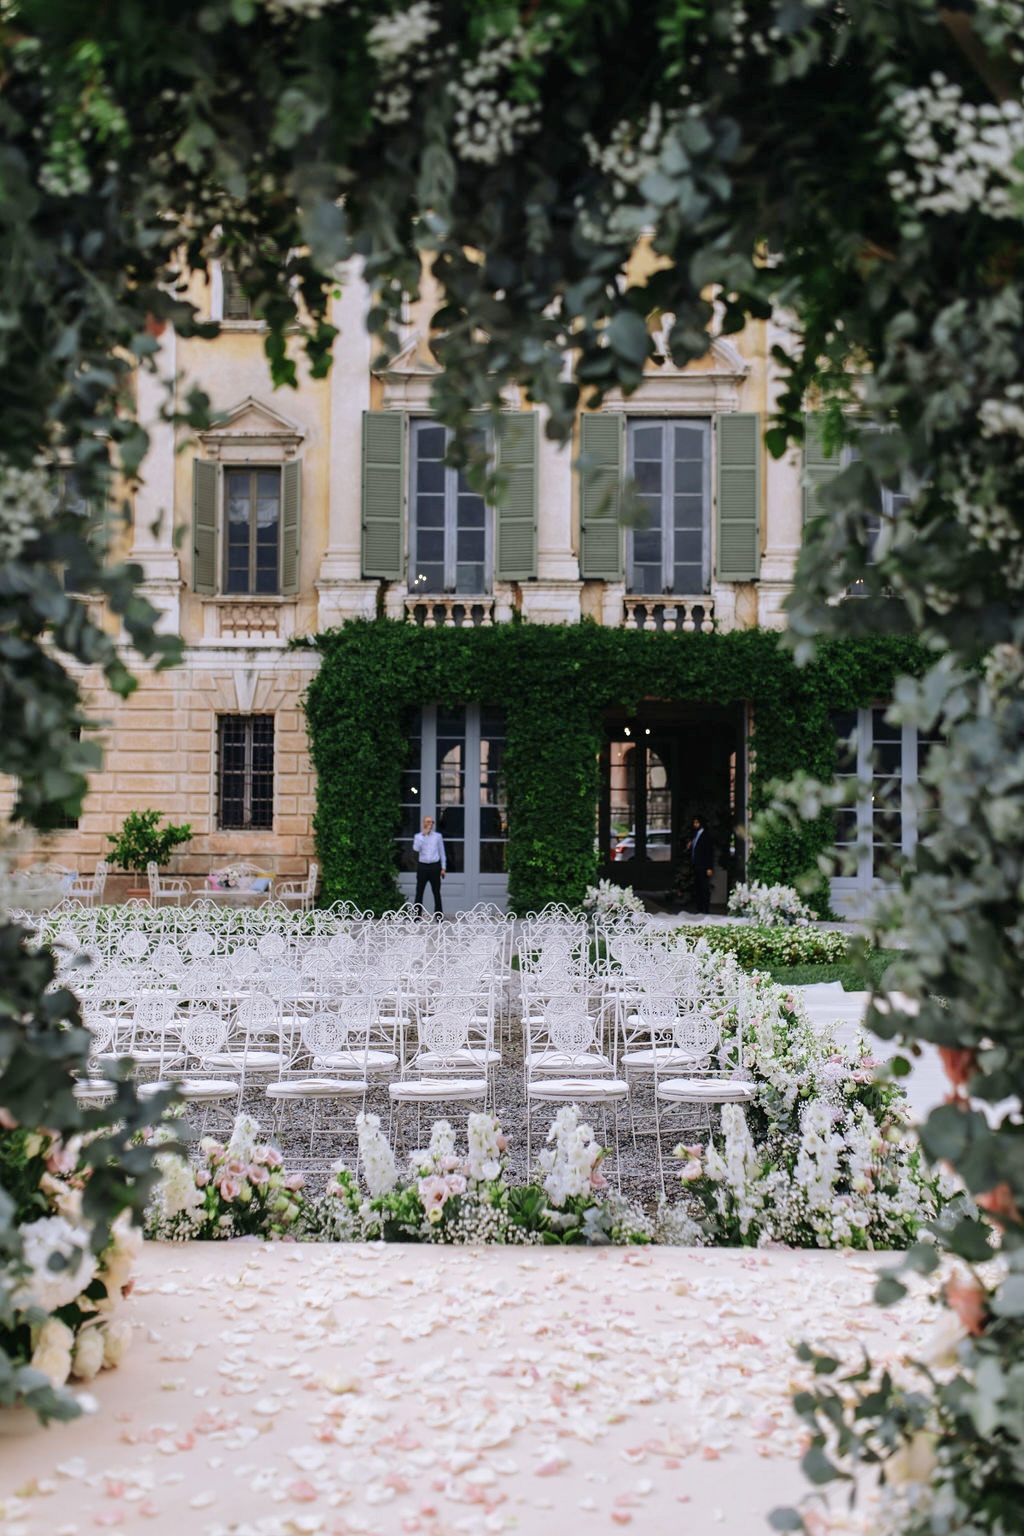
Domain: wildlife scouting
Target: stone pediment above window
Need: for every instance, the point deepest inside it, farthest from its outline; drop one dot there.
(409, 378)
(253, 432)
(708, 385)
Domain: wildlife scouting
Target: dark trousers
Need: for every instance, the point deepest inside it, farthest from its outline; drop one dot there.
(429, 874)
(703, 885)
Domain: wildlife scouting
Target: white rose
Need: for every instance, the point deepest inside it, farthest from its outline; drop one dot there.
(52, 1353)
(117, 1336)
(87, 1356)
(52, 1288)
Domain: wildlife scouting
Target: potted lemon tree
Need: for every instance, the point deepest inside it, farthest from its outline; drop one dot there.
(140, 842)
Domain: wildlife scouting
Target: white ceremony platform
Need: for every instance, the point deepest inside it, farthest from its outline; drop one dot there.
(317, 1390)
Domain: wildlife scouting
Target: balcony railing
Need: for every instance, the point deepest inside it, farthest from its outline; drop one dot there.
(451, 612)
(688, 614)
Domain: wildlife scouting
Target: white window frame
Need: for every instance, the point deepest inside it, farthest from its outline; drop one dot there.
(668, 530)
(849, 891)
(418, 424)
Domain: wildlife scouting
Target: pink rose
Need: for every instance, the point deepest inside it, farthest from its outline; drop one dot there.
(456, 1184)
(230, 1188)
(235, 1168)
(433, 1191)
(258, 1175)
(271, 1156)
(202, 1177)
(597, 1178)
(501, 1142)
(295, 1181)
(691, 1171)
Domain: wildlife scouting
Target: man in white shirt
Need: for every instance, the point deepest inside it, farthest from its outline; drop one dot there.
(428, 846)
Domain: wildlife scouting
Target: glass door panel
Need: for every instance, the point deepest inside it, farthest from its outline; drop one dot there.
(493, 808)
(451, 785)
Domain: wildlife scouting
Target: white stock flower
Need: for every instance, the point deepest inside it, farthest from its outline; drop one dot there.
(52, 1288)
(87, 1355)
(379, 1169)
(244, 1136)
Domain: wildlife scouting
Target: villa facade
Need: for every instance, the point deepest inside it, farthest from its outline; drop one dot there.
(303, 509)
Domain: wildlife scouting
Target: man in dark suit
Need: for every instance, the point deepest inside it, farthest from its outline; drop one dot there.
(702, 862)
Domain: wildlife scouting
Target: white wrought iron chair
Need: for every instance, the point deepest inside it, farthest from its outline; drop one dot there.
(301, 893)
(165, 887)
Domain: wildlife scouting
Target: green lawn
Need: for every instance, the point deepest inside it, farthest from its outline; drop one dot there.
(852, 976)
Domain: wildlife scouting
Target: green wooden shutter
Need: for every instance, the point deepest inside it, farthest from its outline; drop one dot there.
(515, 534)
(601, 448)
(291, 525)
(739, 496)
(383, 494)
(204, 527)
(819, 467)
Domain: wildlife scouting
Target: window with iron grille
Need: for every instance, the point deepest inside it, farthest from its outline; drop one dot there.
(245, 771)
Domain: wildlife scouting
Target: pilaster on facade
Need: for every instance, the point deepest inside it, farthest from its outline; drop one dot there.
(341, 597)
(552, 602)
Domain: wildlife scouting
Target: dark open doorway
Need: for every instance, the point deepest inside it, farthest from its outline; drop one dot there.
(662, 765)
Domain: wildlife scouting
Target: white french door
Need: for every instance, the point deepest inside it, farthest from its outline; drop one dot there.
(455, 773)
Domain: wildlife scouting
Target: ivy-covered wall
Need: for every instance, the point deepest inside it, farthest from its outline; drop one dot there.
(555, 682)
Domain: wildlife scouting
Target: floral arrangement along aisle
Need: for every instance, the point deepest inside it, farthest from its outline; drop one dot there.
(63, 1319)
(824, 1156)
(237, 1190)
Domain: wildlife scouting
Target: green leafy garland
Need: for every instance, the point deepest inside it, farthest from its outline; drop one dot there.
(555, 682)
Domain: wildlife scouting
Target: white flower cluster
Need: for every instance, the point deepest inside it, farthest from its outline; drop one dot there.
(376, 1156)
(54, 1237)
(487, 124)
(991, 524)
(608, 899)
(392, 38)
(828, 1173)
(1003, 418)
(769, 905)
(631, 151)
(26, 503)
(963, 156)
(570, 1167)
(398, 44)
(281, 10)
(486, 1144)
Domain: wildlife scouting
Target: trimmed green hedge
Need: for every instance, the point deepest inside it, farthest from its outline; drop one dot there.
(555, 683)
(754, 946)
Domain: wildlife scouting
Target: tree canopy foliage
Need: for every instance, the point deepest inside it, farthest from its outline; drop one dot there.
(853, 167)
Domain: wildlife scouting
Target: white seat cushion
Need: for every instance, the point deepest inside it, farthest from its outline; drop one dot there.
(246, 1061)
(317, 1088)
(662, 1059)
(440, 1088)
(95, 1088)
(593, 1089)
(207, 1089)
(430, 1061)
(563, 1063)
(708, 1090)
(357, 1061)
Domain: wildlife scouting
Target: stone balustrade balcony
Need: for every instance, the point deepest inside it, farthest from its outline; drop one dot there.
(450, 612)
(669, 614)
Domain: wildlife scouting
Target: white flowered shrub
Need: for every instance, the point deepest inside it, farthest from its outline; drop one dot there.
(609, 900)
(770, 905)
